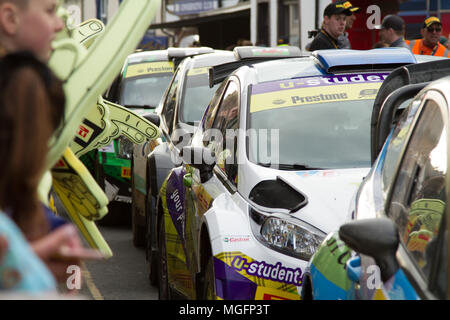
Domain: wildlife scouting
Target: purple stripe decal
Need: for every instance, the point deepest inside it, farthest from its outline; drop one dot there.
(175, 200)
(318, 82)
(230, 285)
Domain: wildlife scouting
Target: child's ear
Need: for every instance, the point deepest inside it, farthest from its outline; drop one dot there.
(9, 17)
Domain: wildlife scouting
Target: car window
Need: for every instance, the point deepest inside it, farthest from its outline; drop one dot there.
(196, 95)
(211, 110)
(326, 118)
(418, 195)
(223, 134)
(144, 91)
(170, 103)
(397, 142)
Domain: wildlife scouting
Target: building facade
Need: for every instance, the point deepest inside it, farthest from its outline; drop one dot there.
(222, 23)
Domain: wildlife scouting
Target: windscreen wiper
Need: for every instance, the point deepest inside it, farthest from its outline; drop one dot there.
(285, 166)
(297, 166)
(143, 106)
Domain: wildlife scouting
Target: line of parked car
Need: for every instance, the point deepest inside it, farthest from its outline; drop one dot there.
(285, 175)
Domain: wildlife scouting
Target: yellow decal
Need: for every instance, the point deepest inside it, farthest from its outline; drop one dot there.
(140, 69)
(197, 71)
(265, 293)
(125, 172)
(380, 295)
(306, 96)
(203, 198)
(276, 287)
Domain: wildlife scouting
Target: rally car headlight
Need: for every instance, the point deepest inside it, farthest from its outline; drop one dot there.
(125, 148)
(297, 240)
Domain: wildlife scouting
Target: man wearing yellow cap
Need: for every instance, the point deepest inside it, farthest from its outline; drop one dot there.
(429, 45)
(343, 41)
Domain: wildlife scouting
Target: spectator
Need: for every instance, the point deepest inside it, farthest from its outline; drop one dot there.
(26, 85)
(32, 108)
(29, 25)
(243, 42)
(443, 40)
(380, 44)
(392, 31)
(283, 41)
(334, 20)
(343, 41)
(429, 45)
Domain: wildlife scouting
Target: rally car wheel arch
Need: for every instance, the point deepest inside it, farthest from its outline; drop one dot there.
(205, 283)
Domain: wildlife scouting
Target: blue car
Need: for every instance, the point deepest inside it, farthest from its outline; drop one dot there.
(395, 247)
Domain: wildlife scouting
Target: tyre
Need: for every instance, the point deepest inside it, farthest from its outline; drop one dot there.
(209, 281)
(118, 215)
(162, 262)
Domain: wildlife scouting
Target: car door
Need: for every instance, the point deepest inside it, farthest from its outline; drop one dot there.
(224, 118)
(416, 204)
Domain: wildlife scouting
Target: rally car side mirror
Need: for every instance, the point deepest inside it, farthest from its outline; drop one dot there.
(203, 159)
(153, 118)
(377, 238)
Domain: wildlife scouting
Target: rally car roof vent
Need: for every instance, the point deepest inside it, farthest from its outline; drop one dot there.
(188, 52)
(343, 60)
(178, 54)
(250, 52)
(248, 55)
(277, 194)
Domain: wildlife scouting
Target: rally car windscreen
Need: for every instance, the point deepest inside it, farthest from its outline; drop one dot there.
(197, 95)
(144, 91)
(313, 123)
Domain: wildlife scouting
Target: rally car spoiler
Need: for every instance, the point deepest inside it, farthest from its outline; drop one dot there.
(410, 80)
(247, 55)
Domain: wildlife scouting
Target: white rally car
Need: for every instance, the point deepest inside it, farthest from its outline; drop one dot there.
(270, 171)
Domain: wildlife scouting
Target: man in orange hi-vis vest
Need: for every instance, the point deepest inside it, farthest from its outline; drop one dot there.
(431, 32)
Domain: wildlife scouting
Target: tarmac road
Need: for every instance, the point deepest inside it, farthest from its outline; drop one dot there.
(122, 277)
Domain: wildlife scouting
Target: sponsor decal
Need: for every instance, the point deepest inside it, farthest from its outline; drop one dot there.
(120, 198)
(317, 173)
(234, 239)
(109, 148)
(321, 81)
(264, 293)
(330, 260)
(175, 201)
(125, 172)
(300, 96)
(268, 271)
(197, 71)
(139, 69)
(270, 52)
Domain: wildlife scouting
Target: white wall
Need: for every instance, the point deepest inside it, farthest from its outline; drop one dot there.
(89, 9)
(307, 18)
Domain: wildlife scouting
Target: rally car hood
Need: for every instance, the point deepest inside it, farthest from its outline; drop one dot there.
(328, 193)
